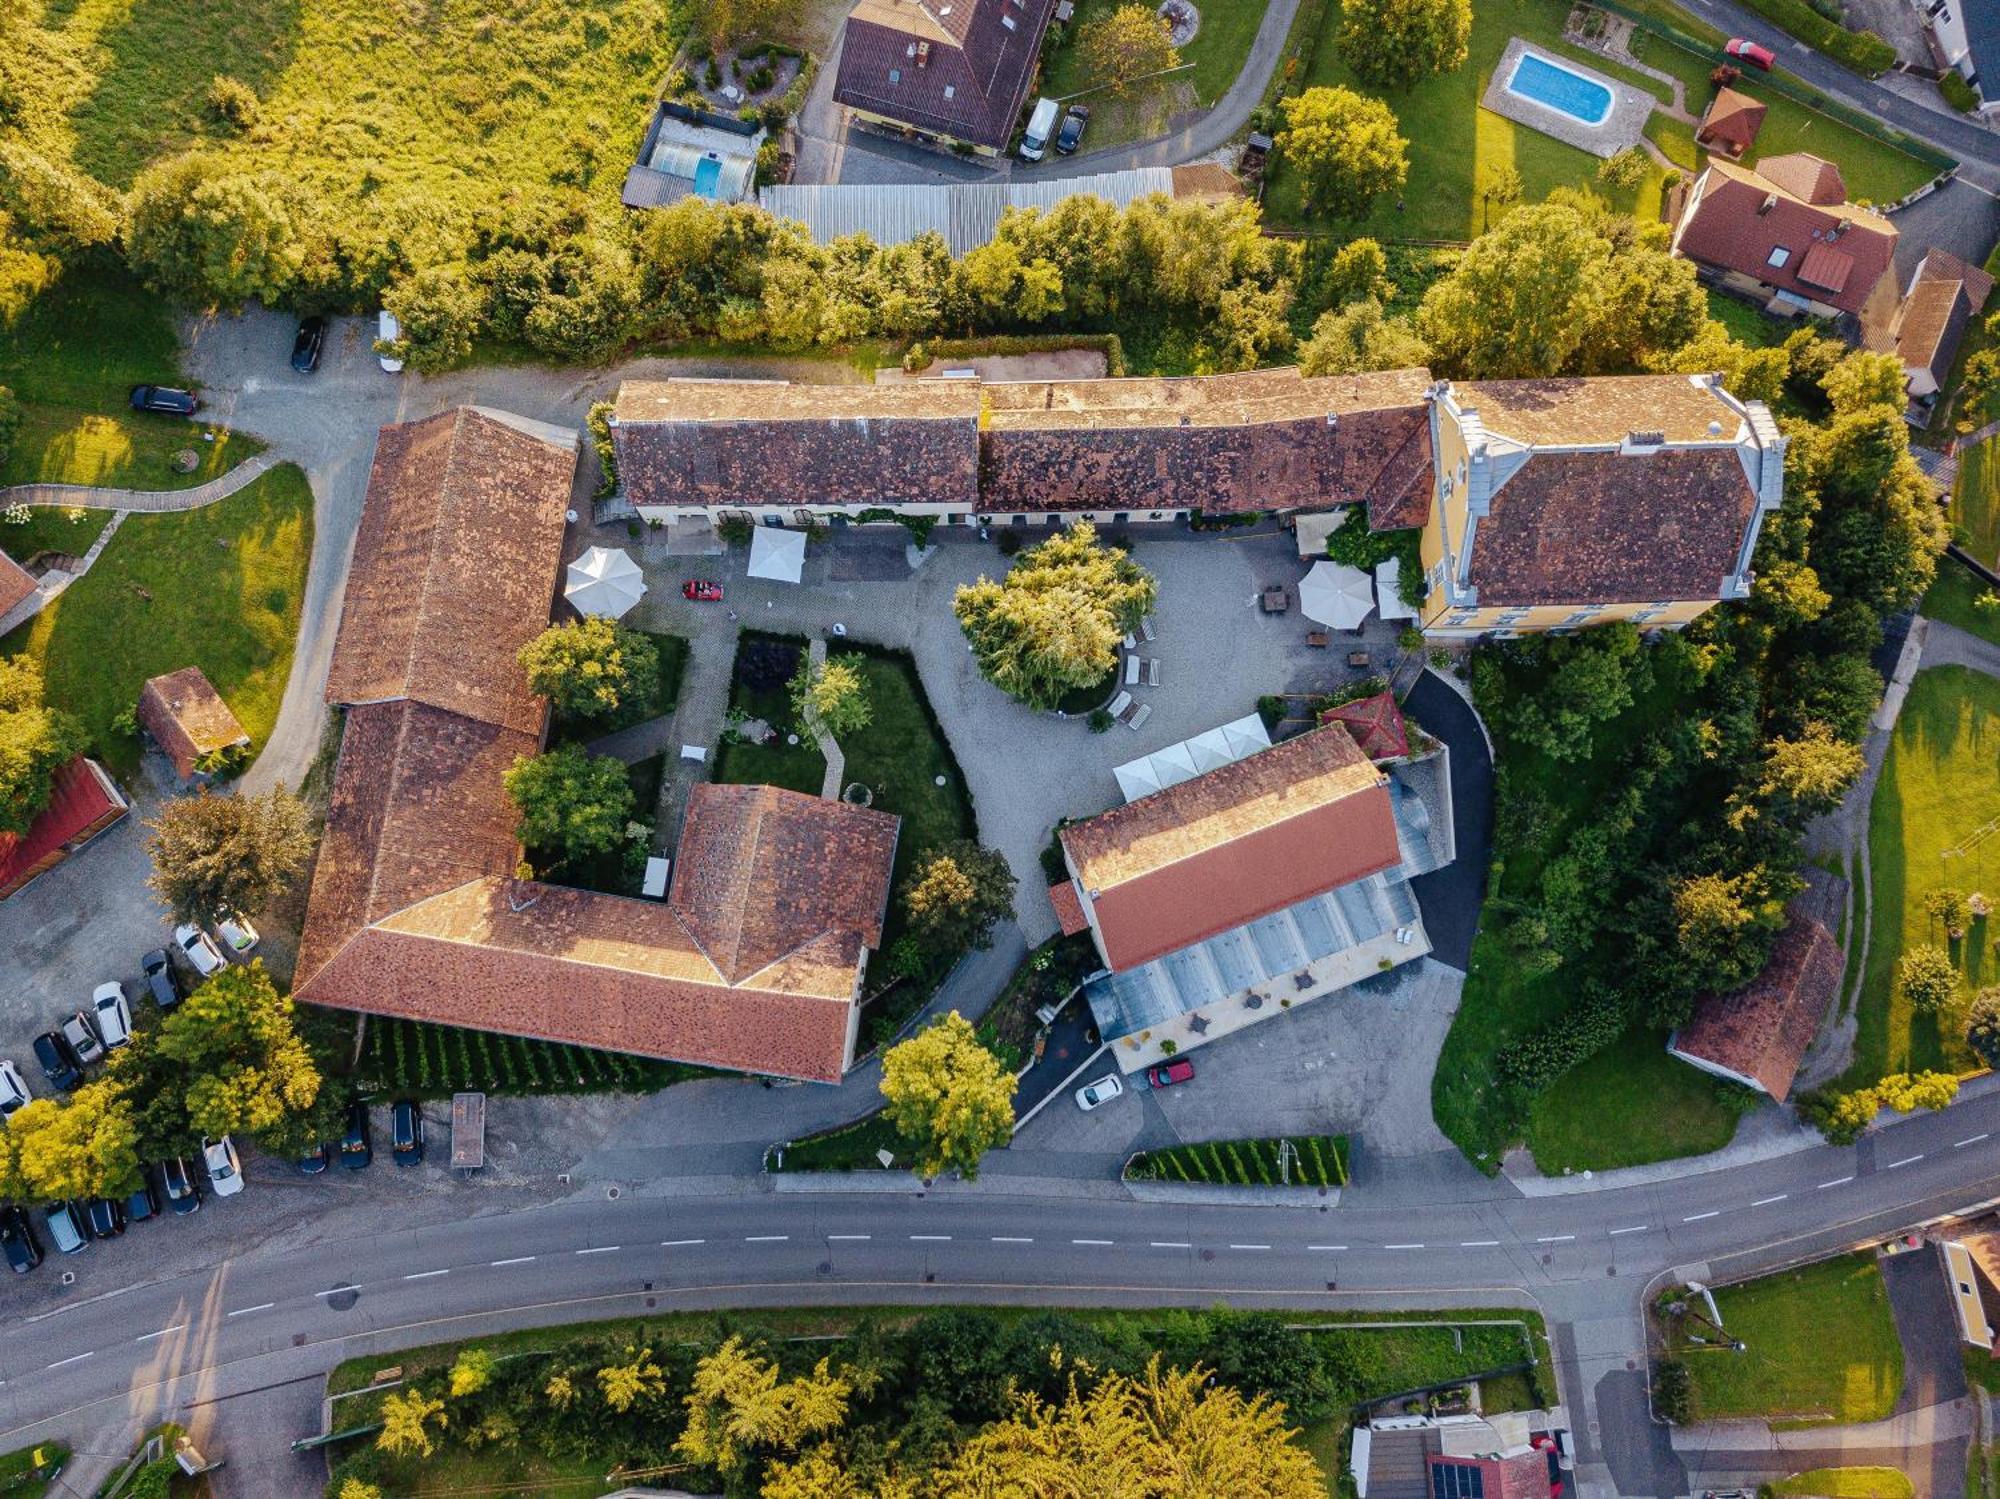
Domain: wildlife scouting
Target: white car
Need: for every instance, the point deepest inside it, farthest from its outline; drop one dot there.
(236, 934)
(199, 949)
(13, 1092)
(1106, 1088)
(388, 330)
(225, 1172)
(114, 1018)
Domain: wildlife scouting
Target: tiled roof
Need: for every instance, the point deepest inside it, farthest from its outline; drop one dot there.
(1930, 325)
(1942, 265)
(1732, 119)
(1068, 908)
(187, 717)
(1224, 848)
(958, 69)
(1826, 268)
(1599, 409)
(16, 583)
(1606, 527)
(460, 542)
(1376, 724)
(1763, 1029)
(1806, 177)
(82, 803)
(1738, 219)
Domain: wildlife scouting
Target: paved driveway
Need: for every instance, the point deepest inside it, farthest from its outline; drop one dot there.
(1958, 217)
(1451, 896)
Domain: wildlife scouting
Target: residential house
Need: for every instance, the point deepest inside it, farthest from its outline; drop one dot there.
(1970, 1250)
(1267, 882)
(83, 802)
(1964, 36)
(949, 71)
(689, 152)
(1512, 1455)
(1786, 236)
(1944, 296)
(418, 907)
(17, 584)
(1758, 1035)
(189, 721)
(1559, 504)
(1730, 124)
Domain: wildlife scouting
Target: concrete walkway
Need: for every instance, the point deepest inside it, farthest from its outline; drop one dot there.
(89, 497)
(1948, 645)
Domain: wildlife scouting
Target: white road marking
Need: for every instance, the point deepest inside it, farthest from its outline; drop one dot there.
(1169, 1244)
(1402, 1246)
(1010, 1239)
(1838, 1181)
(426, 1274)
(842, 1237)
(602, 1249)
(679, 1243)
(1478, 1243)
(1637, 1228)
(147, 1337)
(765, 1238)
(945, 1239)
(1697, 1217)
(244, 1311)
(1968, 1140)
(1092, 1243)
(75, 1358)
(1555, 1238)
(519, 1259)
(1905, 1161)
(1249, 1246)
(1326, 1248)
(1764, 1202)
(336, 1290)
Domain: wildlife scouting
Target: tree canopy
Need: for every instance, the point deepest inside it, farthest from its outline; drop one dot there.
(948, 1096)
(573, 804)
(1121, 46)
(592, 668)
(956, 894)
(84, 1146)
(1345, 147)
(217, 856)
(832, 696)
(1395, 43)
(1358, 338)
(35, 742)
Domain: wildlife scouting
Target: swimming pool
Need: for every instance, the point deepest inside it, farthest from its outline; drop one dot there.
(1553, 86)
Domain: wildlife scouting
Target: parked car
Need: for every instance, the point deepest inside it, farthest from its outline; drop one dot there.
(313, 1160)
(13, 1091)
(387, 331)
(308, 344)
(356, 1150)
(65, 1225)
(165, 400)
(105, 1217)
(1071, 135)
(1744, 50)
(17, 1239)
(225, 1172)
(114, 1016)
(144, 1201)
(1041, 125)
(200, 949)
(406, 1130)
(702, 591)
(57, 1061)
(183, 1191)
(161, 980)
(84, 1043)
(236, 934)
(1166, 1074)
(1106, 1088)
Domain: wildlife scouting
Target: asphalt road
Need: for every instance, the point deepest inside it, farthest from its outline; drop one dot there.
(262, 1320)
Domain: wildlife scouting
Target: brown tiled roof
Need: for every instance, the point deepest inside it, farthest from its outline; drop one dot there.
(187, 717)
(1763, 1029)
(1731, 120)
(1942, 265)
(1806, 177)
(16, 583)
(1225, 848)
(1376, 724)
(1068, 908)
(1599, 409)
(971, 77)
(1729, 224)
(460, 543)
(762, 444)
(1826, 269)
(1605, 527)
(1931, 324)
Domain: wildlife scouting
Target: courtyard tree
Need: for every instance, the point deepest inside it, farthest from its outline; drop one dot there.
(85, 1146)
(1124, 45)
(948, 1096)
(1357, 338)
(1395, 43)
(833, 696)
(592, 668)
(217, 856)
(1345, 147)
(1747, 373)
(1928, 978)
(35, 741)
(1591, 683)
(1863, 379)
(955, 895)
(573, 804)
(1054, 623)
(440, 310)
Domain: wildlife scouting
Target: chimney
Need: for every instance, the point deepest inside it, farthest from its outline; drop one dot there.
(923, 54)
(1770, 202)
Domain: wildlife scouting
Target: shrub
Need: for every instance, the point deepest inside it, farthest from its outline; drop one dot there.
(1673, 1392)
(1624, 171)
(1982, 1029)
(1928, 978)
(1099, 720)
(598, 420)
(735, 530)
(1959, 94)
(232, 101)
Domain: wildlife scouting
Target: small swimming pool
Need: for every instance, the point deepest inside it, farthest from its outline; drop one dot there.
(1555, 87)
(707, 177)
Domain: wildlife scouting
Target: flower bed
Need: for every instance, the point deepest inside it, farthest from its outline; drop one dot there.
(1320, 1161)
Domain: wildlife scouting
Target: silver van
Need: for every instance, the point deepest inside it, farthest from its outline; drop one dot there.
(1041, 125)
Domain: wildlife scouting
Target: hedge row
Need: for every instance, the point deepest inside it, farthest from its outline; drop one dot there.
(1319, 1161)
(408, 1056)
(925, 352)
(1863, 51)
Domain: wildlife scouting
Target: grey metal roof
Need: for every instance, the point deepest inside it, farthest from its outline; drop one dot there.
(965, 213)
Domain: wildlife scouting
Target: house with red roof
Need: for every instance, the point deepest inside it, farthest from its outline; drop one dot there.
(83, 802)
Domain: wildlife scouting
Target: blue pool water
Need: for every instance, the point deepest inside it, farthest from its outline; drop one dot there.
(1558, 88)
(707, 174)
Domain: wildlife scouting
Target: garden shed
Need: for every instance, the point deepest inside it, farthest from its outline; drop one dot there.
(188, 719)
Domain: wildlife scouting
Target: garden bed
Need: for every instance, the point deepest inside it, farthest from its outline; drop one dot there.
(28, 1472)
(1315, 1161)
(852, 1147)
(415, 1058)
(1047, 976)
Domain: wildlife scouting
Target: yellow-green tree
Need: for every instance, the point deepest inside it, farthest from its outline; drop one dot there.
(471, 1372)
(85, 1147)
(956, 894)
(1345, 147)
(1814, 770)
(1054, 623)
(1129, 43)
(832, 696)
(407, 1418)
(354, 1488)
(214, 856)
(638, 1378)
(592, 667)
(948, 1096)
(740, 1409)
(818, 1474)
(1398, 42)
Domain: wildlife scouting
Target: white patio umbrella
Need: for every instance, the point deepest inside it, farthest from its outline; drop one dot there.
(604, 581)
(1336, 594)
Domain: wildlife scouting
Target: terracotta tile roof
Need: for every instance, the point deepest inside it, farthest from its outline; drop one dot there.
(1805, 177)
(1376, 724)
(16, 583)
(83, 802)
(187, 717)
(971, 77)
(1068, 908)
(1232, 845)
(1738, 219)
(460, 541)
(1931, 324)
(1763, 1029)
(1601, 409)
(1518, 1475)
(1825, 268)
(761, 444)
(1731, 121)
(1942, 265)
(1605, 527)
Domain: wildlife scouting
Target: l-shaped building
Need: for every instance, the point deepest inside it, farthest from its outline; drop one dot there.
(1545, 504)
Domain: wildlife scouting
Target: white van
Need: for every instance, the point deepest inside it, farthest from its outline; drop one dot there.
(1041, 125)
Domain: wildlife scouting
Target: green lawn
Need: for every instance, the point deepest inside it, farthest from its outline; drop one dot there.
(1821, 1346)
(1747, 324)
(850, 1148)
(53, 529)
(1214, 59)
(1936, 794)
(1628, 1106)
(1952, 598)
(16, 1466)
(72, 359)
(217, 588)
(1845, 1483)
(1975, 504)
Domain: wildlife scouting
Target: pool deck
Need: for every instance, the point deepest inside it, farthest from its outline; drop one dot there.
(1622, 127)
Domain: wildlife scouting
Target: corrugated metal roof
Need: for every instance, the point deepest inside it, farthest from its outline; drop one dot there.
(965, 213)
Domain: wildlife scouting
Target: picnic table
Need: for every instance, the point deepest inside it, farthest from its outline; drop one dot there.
(1317, 639)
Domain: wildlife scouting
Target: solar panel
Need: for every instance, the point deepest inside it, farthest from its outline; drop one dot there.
(1457, 1481)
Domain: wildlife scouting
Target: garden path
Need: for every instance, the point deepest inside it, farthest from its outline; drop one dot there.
(93, 498)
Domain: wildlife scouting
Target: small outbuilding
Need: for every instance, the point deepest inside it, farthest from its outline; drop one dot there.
(83, 802)
(189, 721)
(1730, 124)
(1376, 724)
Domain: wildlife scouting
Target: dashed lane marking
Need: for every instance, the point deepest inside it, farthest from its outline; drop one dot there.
(1764, 1202)
(680, 1243)
(244, 1311)
(1555, 1238)
(1326, 1248)
(1249, 1246)
(426, 1274)
(1637, 1228)
(843, 1238)
(1402, 1246)
(602, 1249)
(765, 1238)
(1968, 1140)
(930, 1238)
(1838, 1181)
(74, 1358)
(1905, 1161)
(1169, 1244)
(1478, 1243)
(1697, 1217)
(1011, 1239)
(1092, 1243)
(147, 1337)
(519, 1259)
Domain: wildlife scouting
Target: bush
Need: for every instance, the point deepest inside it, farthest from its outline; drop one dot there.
(1982, 1029)
(1099, 720)
(1624, 171)
(1928, 978)
(232, 101)
(1673, 1392)
(735, 530)
(598, 420)
(1959, 94)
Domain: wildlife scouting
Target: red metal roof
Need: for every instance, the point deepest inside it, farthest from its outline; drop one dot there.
(1376, 724)
(82, 802)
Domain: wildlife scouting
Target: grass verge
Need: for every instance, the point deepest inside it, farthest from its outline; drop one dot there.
(1629, 1105)
(27, 1472)
(1307, 1161)
(53, 529)
(852, 1147)
(1846, 1483)
(1213, 60)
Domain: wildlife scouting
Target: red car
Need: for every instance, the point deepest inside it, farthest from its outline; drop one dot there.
(1168, 1073)
(1750, 52)
(702, 591)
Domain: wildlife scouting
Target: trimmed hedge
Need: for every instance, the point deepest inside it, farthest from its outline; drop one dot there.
(1321, 1161)
(1958, 93)
(1863, 51)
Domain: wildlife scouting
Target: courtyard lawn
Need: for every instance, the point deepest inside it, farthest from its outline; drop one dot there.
(1629, 1106)
(1214, 59)
(72, 359)
(1821, 1346)
(1930, 826)
(757, 690)
(1747, 324)
(218, 588)
(51, 529)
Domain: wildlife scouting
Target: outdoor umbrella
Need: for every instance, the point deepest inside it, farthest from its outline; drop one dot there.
(1337, 595)
(604, 581)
